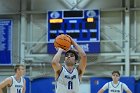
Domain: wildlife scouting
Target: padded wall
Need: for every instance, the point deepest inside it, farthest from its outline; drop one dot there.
(130, 82)
(28, 85)
(137, 86)
(43, 85)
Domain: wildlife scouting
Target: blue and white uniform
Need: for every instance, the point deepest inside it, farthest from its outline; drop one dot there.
(16, 86)
(67, 82)
(115, 88)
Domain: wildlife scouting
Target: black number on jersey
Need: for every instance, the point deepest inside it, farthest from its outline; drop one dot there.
(18, 90)
(70, 85)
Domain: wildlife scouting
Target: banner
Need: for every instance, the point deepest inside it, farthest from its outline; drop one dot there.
(5, 41)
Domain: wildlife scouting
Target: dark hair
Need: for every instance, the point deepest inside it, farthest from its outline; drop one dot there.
(116, 72)
(74, 52)
(17, 67)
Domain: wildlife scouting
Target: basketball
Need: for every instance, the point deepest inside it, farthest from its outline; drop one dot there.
(62, 41)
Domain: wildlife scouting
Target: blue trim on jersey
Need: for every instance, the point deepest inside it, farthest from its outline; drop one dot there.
(79, 79)
(19, 80)
(113, 85)
(79, 76)
(122, 87)
(108, 87)
(23, 80)
(68, 70)
(59, 73)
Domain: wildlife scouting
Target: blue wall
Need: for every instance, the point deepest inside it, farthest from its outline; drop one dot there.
(28, 85)
(137, 86)
(43, 85)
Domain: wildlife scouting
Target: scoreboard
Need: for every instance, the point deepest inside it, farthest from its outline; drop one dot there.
(82, 25)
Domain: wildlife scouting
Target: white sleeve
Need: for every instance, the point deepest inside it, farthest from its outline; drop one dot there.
(124, 86)
(105, 86)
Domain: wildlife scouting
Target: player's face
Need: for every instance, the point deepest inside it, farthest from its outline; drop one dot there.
(21, 70)
(115, 77)
(69, 59)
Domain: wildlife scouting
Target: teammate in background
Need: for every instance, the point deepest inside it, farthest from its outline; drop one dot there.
(16, 83)
(115, 86)
(68, 76)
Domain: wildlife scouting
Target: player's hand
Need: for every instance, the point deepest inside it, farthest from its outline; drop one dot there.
(59, 49)
(72, 41)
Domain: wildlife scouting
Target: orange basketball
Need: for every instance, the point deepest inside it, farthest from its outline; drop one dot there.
(62, 41)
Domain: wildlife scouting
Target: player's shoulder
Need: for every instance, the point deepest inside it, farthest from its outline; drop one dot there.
(123, 84)
(110, 82)
(107, 83)
(24, 80)
(7, 81)
(9, 78)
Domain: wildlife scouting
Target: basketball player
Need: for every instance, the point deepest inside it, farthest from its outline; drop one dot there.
(16, 83)
(115, 86)
(68, 76)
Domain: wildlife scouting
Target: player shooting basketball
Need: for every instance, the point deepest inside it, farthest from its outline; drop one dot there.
(68, 76)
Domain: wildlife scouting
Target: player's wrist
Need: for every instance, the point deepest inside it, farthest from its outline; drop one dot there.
(60, 50)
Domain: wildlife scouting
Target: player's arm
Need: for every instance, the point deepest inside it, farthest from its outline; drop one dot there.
(103, 88)
(55, 61)
(24, 86)
(125, 87)
(4, 83)
(128, 91)
(101, 91)
(83, 58)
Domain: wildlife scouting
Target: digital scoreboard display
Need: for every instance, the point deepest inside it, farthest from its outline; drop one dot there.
(82, 25)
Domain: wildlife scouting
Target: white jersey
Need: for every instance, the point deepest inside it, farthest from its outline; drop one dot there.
(115, 88)
(16, 87)
(67, 82)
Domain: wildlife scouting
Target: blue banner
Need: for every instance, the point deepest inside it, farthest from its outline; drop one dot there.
(88, 47)
(5, 41)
